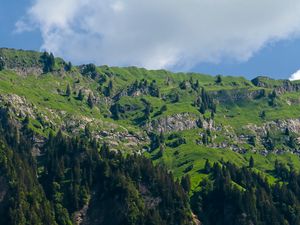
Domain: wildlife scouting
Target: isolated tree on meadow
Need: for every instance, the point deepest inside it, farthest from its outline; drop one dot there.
(80, 95)
(218, 79)
(68, 66)
(90, 101)
(2, 64)
(68, 91)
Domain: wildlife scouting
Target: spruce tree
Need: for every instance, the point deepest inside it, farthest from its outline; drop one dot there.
(218, 79)
(251, 162)
(207, 166)
(80, 95)
(68, 66)
(186, 183)
(51, 62)
(2, 64)
(90, 101)
(68, 91)
(48, 62)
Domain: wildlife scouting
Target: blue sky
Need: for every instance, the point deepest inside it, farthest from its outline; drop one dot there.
(10, 12)
(278, 60)
(277, 54)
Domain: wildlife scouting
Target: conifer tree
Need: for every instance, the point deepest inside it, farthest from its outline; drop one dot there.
(90, 101)
(80, 95)
(68, 66)
(218, 79)
(207, 166)
(2, 64)
(251, 162)
(186, 183)
(68, 91)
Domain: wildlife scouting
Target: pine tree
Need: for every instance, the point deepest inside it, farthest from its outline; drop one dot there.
(51, 62)
(205, 139)
(287, 132)
(262, 114)
(251, 162)
(176, 98)
(161, 137)
(90, 101)
(186, 183)
(196, 85)
(2, 64)
(48, 62)
(252, 141)
(147, 110)
(115, 111)
(202, 108)
(207, 166)
(110, 85)
(68, 91)
(218, 79)
(108, 90)
(68, 66)
(80, 95)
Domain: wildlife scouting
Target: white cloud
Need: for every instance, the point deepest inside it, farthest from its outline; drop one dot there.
(161, 33)
(295, 76)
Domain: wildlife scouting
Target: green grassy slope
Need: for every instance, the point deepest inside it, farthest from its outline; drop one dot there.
(239, 103)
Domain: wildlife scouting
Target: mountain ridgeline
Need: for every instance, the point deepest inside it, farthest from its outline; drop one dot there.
(107, 145)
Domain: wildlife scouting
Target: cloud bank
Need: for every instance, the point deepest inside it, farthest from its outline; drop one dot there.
(295, 76)
(160, 33)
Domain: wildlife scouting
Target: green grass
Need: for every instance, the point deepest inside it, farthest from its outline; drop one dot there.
(46, 93)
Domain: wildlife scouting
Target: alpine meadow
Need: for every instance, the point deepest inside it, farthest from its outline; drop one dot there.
(107, 145)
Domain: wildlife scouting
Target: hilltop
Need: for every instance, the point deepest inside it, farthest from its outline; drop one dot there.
(179, 120)
(214, 116)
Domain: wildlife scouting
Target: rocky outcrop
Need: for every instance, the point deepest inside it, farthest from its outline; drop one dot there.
(236, 95)
(292, 124)
(263, 81)
(236, 142)
(280, 86)
(18, 105)
(124, 139)
(116, 136)
(176, 122)
(21, 62)
(287, 86)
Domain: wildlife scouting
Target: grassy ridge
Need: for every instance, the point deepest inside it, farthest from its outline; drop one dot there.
(47, 92)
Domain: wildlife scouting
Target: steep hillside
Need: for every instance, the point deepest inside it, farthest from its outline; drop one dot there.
(180, 120)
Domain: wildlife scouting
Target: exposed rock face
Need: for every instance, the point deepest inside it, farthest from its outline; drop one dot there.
(209, 124)
(292, 124)
(18, 105)
(122, 138)
(80, 215)
(261, 81)
(280, 88)
(287, 86)
(25, 71)
(176, 122)
(236, 95)
(196, 220)
(19, 62)
(116, 136)
(236, 142)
